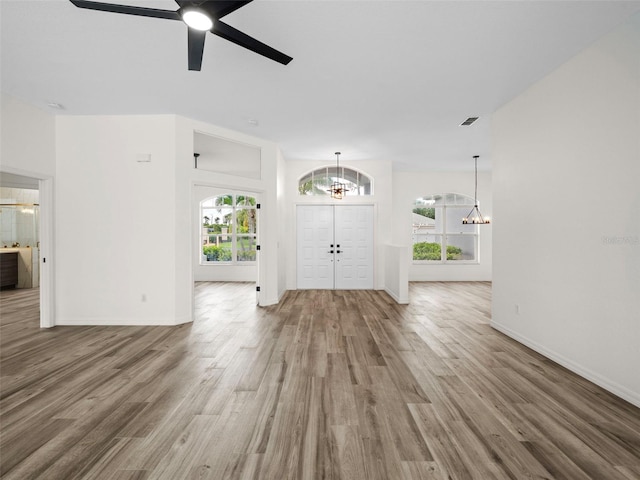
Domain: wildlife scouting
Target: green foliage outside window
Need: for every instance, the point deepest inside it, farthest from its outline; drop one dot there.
(246, 201)
(319, 187)
(431, 251)
(425, 212)
(215, 228)
(246, 220)
(305, 188)
(216, 254)
(224, 200)
(224, 219)
(247, 256)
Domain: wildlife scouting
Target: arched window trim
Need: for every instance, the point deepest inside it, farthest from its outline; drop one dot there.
(326, 170)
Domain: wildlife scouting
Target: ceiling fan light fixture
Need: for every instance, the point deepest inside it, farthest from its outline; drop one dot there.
(200, 16)
(197, 19)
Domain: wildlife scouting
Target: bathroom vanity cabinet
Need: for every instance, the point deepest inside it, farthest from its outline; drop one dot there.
(8, 269)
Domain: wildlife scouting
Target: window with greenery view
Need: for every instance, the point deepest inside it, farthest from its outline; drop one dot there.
(438, 234)
(319, 181)
(229, 229)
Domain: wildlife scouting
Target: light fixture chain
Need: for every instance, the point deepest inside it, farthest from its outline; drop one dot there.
(478, 218)
(475, 193)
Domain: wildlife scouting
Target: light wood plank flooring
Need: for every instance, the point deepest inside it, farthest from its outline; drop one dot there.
(327, 384)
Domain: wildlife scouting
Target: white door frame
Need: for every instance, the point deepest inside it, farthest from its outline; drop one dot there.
(195, 216)
(47, 263)
(294, 236)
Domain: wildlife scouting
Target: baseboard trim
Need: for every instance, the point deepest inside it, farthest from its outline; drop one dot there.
(282, 293)
(121, 322)
(269, 301)
(396, 297)
(612, 387)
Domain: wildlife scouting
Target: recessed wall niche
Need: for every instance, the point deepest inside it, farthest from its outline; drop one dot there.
(221, 155)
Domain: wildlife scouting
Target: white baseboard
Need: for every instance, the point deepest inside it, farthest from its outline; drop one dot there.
(616, 389)
(269, 301)
(281, 294)
(396, 297)
(122, 322)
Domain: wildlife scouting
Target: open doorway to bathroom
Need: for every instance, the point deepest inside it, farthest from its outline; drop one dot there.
(19, 234)
(25, 236)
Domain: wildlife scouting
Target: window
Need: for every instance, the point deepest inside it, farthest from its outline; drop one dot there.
(319, 181)
(438, 232)
(229, 229)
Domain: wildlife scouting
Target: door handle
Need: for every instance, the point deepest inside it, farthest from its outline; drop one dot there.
(331, 251)
(338, 251)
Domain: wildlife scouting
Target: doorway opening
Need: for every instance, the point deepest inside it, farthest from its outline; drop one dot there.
(227, 237)
(26, 228)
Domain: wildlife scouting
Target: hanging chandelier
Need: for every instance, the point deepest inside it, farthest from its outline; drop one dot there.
(474, 216)
(338, 189)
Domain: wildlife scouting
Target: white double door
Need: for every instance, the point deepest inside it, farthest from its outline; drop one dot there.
(335, 247)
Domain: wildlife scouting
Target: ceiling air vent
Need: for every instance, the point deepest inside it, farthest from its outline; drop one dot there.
(469, 121)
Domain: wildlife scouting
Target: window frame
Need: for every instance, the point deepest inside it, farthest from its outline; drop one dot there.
(234, 234)
(329, 172)
(446, 233)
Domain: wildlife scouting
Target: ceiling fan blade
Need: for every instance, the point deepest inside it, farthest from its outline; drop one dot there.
(196, 47)
(220, 8)
(127, 9)
(236, 36)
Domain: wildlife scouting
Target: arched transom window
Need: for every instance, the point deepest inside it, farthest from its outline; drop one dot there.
(438, 234)
(319, 181)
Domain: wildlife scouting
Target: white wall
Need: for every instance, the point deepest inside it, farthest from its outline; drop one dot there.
(407, 186)
(380, 171)
(566, 165)
(283, 208)
(116, 221)
(27, 139)
(126, 231)
(396, 282)
(221, 155)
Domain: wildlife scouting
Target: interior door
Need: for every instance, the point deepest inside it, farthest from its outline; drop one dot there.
(335, 247)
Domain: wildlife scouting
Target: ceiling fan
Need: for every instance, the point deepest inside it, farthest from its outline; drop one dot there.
(200, 16)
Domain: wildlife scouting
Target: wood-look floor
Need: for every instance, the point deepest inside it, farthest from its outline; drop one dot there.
(327, 384)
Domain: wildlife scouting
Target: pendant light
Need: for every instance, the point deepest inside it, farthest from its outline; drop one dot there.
(337, 189)
(474, 216)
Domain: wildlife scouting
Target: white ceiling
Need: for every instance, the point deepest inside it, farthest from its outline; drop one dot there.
(372, 79)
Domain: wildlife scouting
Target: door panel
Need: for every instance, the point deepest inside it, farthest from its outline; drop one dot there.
(315, 235)
(354, 235)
